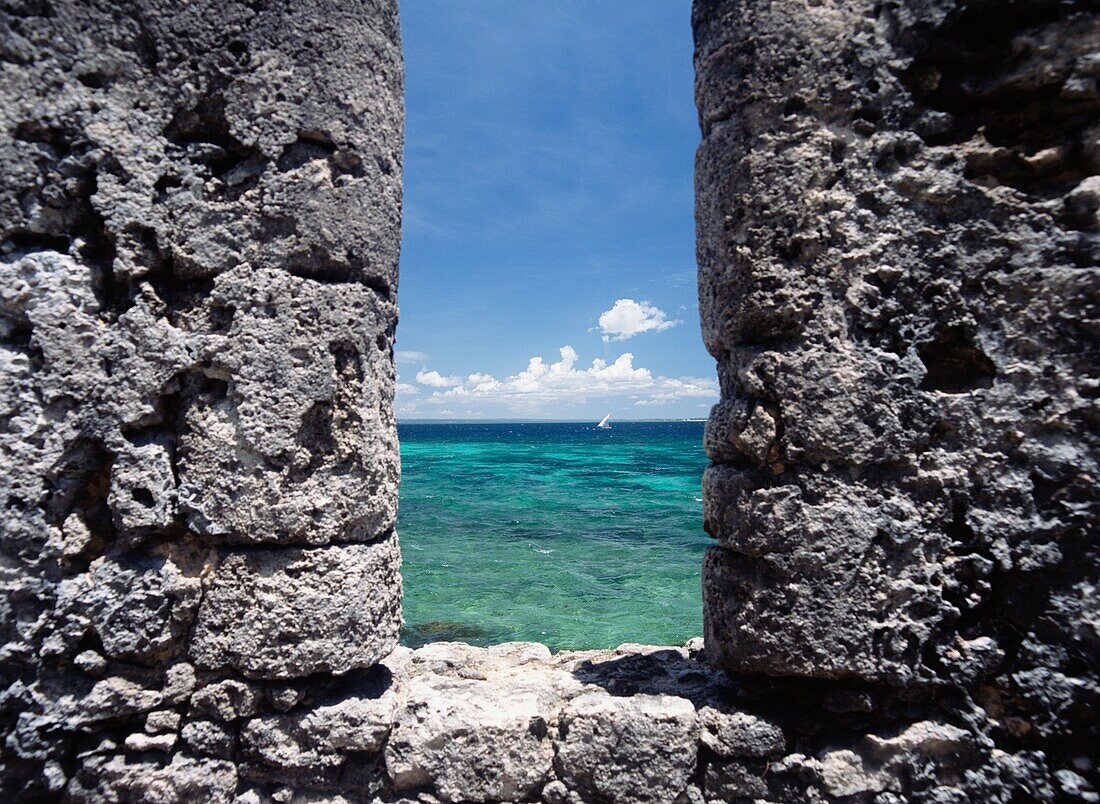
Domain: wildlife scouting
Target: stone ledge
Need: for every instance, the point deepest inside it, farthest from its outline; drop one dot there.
(452, 722)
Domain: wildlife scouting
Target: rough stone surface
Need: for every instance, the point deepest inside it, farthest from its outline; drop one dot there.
(897, 243)
(199, 233)
(288, 612)
(471, 739)
(638, 748)
(898, 226)
(117, 778)
(451, 722)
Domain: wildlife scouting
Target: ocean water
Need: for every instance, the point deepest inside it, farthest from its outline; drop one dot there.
(558, 533)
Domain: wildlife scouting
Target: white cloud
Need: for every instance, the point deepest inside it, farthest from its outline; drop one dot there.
(406, 388)
(409, 356)
(436, 380)
(628, 318)
(563, 383)
(480, 380)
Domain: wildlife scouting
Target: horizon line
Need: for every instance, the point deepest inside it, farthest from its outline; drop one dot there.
(494, 420)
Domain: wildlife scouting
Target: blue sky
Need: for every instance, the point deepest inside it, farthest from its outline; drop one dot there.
(548, 182)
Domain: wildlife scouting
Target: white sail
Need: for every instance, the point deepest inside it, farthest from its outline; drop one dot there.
(603, 425)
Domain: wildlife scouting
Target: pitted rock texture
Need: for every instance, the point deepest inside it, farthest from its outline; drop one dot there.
(455, 723)
(199, 234)
(288, 612)
(898, 231)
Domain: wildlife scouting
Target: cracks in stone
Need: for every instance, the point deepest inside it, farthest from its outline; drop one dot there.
(379, 286)
(318, 264)
(168, 181)
(204, 136)
(69, 220)
(78, 484)
(227, 545)
(17, 333)
(189, 302)
(24, 241)
(955, 364)
(311, 146)
(327, 423)
(985, 74)
(234, 168)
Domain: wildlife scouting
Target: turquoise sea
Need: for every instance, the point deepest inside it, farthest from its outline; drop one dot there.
(558, 533)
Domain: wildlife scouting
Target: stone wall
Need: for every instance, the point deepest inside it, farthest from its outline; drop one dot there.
(199, 234)
(200, 212)
(897, 241)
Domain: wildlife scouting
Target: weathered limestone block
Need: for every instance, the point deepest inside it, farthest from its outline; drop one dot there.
(166, 720)
(733, 779)
(199, 237)
(142, 497)
(472, 740)
(140, 607)
(226, 700)
(639, 748)
(739, 734)
(774, 596)
(210, 738)
(315, 746)
(103, 778)
(287, 613)
(897, 250)
(513, 722)
(302, 447)
(880, 764)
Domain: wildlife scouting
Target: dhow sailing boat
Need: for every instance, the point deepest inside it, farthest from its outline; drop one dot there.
(603, 425)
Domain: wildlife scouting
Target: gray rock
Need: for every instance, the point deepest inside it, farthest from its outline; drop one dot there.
(739, 734)
(897, 247)
(115, 778)
(211, 738)
(226, 700)
(471, 740)
(139, 606)
(555, 792)
(733, 779)
(139, 742)
(898, 212)
(283, 697)
(354, 724)
(639, 748)
(143, 488)
(199, 232)
(166, 720)
(287, 613)
(882, 764)
(109, 699)
(90, 662)
(313, 745)
(302, 448)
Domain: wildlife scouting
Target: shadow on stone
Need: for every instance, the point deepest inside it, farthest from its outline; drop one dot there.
(658, 671)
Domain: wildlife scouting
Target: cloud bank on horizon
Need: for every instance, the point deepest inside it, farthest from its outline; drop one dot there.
(562, 383)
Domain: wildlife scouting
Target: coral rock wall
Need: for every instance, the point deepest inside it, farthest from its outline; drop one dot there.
(897, 212)
(199, 233)
(898, 236)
